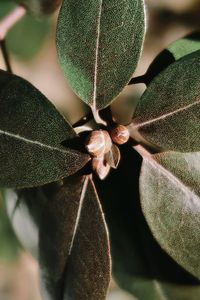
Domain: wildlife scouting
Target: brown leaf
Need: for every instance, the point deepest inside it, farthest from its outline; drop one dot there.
(113, 157)
(74, 247)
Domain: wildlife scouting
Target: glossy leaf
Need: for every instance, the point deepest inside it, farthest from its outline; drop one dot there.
(99, 45)
(33, 30)
(172, 53)
(139, 264)
(168, 113)
(170, 197)
(31, 132)
(74, 250)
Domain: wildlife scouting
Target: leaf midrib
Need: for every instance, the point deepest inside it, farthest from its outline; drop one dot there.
(172, 178)
(97, 55)
(36, 143)
(165, 116)
(82, 198)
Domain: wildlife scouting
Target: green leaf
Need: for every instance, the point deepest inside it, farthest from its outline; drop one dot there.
(74, 250)
(170, 198)
(9, 245)
(33, 30)
(31, 132)
(168, 113)
(184, 46)
(99, 45)
(40, 6)
(139, 264)
(172, 53)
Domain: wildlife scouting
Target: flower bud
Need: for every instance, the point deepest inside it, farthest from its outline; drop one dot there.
(120, 134)
(98, 143)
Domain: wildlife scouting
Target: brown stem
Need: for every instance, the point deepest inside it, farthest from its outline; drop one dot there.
(142, 151)
(5, 25)
(5, 56)
(8, 21)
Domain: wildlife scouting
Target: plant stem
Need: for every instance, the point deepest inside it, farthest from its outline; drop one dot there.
(8, 21)
(5, 25)
(5, 56)
(142, 151)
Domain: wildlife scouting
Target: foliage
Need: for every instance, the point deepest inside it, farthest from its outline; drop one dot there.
(145, 214)
(34, 31)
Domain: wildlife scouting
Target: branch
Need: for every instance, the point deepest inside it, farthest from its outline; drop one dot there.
(5, 56)
(5, 25)
(8, 21)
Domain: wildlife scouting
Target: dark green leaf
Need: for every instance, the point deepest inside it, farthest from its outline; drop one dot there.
(33, 30)
(99, 45)
(139, 264)
(168, 113)
(31, 132)
(170, 197)
(74, 250)
(172, 53)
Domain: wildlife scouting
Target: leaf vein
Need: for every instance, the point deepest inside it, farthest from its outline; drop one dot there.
(167, 115)
(25, 140)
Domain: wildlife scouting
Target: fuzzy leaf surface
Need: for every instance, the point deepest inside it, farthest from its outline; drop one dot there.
(170, 199)
(31, 130)
(99, 44)
(139, 264)
(168, 114)
(74, 249)
(172, 53)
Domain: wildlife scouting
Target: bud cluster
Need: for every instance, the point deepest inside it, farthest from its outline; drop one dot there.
(100, 143)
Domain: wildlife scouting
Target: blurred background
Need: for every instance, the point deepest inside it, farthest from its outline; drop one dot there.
(31, 45)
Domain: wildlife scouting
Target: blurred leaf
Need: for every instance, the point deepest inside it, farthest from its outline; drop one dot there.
(99, 45)
(24, 209)
(74, 250)
(185, 46)
(139, 264)
(172, 53)
(9, 245)
(31, 132)
(168, 113)
(170, 197)
(40, 6)
(31, 31)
